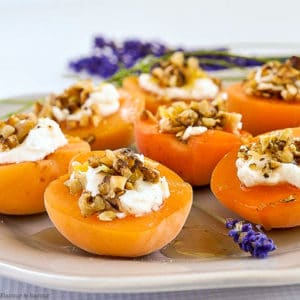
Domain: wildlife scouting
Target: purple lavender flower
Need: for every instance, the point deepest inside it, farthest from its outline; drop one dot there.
(100, 42)
(131, 52)
(128, 60)
(107, 67)
(102, 66)
(108, 56)
(249, 240)
(155, 48)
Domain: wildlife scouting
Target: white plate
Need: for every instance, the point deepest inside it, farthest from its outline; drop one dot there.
(201, 257)
(32, 250)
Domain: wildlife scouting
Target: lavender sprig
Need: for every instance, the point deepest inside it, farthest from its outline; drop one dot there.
(142, 66)
(255, 242)
(109, 58)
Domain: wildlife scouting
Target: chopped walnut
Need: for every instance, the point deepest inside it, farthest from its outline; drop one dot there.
(179, 71)
(88, 204)
(271, 150)
(58, 107)
(275, 80)
(72, 107)
(118, 171)
(180, 116)
(107, 215)
(15, 129)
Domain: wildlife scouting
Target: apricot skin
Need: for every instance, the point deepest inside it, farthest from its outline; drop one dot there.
(195, 160)
(260, 114)
(22, 185)
(128, 237)
(114, 131)
(261, 204)
(152, 101)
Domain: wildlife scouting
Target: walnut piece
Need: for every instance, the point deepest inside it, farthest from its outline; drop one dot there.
(271, 150)
(60, 107)
(178, 71)
(15, 129)
(275, 80)
(179, 116)
(118, 171)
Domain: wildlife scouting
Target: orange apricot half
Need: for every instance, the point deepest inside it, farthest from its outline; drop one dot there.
(194, 160)
(128, 237)
(267, 205)
(114, 131)
(151, 100)
(22, 185)
(260, 114)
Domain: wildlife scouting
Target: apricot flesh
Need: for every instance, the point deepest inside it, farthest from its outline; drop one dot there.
(261, 204)
(195, 160)
(128, 237)
(260, 114)
(22, 185)
(114, 131)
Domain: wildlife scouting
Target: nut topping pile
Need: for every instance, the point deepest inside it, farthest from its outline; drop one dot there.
(15, 129)
(271, 150)
(178, 71)
(180, 116)
(275, 80)
(118, 171)
(71, 101)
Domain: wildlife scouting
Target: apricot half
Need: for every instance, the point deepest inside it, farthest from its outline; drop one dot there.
(114, 131)
(194, 160)
(151, 100)
(128, 237)
(22, 185)
(261, 114)
(262, 204)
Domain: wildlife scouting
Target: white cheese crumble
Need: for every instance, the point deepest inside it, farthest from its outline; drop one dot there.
(145, 197)
(193, 130)
(285, 173)
(201, 88)
(41, 141)
(93, 179)
(105, 100)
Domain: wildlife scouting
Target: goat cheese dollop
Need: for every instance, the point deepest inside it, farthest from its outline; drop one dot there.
(285, 173)
(201, 88)
(145, 197)
(142, 199)
(41, 141)
(105, 100)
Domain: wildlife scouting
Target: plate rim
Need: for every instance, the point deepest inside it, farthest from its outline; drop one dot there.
(153, 283)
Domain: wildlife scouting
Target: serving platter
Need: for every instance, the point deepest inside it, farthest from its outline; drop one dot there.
(202, 256)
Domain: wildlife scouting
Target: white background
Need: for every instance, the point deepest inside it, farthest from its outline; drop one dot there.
(39, 37)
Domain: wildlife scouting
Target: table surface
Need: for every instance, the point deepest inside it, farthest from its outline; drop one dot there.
(10, 289)
(38, 38)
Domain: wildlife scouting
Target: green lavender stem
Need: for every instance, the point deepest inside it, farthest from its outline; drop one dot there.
(227, 54)
(145, 64)
(17, 111)
(16, 101)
